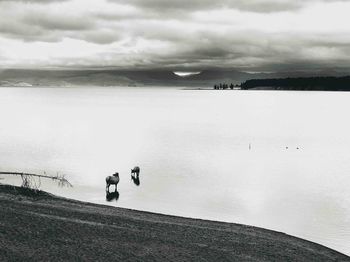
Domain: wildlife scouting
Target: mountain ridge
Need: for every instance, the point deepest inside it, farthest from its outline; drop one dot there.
(160, 77)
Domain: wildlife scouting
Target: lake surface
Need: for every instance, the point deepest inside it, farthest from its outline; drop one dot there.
(278, 160)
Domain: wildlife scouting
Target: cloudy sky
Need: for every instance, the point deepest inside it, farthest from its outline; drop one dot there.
(250, 35)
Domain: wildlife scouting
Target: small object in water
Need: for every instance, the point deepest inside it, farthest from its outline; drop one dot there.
(250, 146)
(297, 148)
(286, 147)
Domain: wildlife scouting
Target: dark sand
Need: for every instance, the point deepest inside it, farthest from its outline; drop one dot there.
(47, 228)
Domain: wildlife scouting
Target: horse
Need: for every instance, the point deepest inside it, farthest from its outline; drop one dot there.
(135, 171)
(112, 180)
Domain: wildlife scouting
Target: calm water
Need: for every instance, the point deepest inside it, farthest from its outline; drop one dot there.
(204, 154)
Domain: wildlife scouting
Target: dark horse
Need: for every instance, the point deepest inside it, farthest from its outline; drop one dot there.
(135, 171)
(112, 180)
(135, 175)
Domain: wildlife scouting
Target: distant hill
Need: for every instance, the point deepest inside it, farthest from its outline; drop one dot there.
(14, 77)
(300, 83)
(216, 76)
(206, 78)
(211, 77)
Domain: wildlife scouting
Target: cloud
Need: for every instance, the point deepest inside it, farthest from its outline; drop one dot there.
(249, 35)
(39, 22)
(185, 6)
(34, 1)
(57, 21)
(159, 6)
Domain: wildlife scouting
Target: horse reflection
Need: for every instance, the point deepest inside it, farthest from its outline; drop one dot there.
(110, 196)
(136, 180)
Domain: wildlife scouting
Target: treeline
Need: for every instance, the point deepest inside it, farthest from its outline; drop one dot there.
(224, 86)
(303, 83)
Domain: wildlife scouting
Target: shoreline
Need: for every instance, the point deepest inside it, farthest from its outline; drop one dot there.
(45, 227)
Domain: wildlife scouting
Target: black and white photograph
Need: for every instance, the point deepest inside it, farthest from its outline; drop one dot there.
(183, 130)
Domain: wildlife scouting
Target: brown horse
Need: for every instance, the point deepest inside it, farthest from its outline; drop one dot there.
(112, 180)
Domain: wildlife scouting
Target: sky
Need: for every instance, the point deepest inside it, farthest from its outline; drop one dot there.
(182, 35)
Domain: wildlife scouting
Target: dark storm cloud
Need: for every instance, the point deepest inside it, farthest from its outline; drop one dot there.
(58, 22)
(182, 7)
(160, 6)
(249, 35)
(273, 54)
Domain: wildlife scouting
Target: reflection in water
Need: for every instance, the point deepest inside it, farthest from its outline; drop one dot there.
(110, 196)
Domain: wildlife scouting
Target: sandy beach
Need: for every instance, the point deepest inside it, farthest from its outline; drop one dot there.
(43, 227)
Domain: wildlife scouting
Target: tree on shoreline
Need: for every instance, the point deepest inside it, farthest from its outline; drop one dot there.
(224, 86)
(301, 83)
(28, 180)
